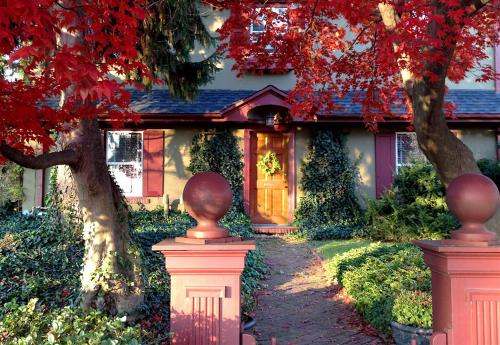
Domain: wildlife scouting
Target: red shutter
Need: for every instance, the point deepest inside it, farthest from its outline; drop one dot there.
(153, 164)
(385, 161)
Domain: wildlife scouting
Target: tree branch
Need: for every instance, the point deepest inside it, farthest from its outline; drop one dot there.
(43, 161)
(476, 5)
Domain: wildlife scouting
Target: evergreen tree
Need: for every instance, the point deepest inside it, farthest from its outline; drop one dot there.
(219, 152)
(170, 34)
(328, 183)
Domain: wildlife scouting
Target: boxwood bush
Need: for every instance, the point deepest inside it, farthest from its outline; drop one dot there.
(414, 208)
(386, 282)
(413, 308)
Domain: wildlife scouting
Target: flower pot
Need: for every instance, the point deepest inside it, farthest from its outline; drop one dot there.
(403, 334)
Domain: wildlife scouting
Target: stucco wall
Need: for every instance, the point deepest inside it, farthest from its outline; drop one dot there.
(361, 147)
(29, 189)
(481, 141)
(301, 147)
(226, 77)
(177, 158)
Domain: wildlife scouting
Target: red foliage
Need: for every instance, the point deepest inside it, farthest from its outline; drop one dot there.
(57, 46)
(342, 47)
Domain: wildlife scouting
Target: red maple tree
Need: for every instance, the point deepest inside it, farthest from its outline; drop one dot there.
(62, 62)
(386, 55)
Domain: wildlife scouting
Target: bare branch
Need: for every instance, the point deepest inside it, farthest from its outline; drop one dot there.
(43, 161)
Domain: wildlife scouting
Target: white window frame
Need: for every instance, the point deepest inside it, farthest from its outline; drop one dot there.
(396, 151)
(254, 33)
(138, 193)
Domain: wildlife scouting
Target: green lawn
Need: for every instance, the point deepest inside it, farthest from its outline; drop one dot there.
(329, 249)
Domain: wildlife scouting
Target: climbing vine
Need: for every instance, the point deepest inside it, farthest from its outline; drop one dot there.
(218, 151)
(328, 207)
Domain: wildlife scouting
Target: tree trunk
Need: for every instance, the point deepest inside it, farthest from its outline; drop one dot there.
(111, 279)
(448, 154)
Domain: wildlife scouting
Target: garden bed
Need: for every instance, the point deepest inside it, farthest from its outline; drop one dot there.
(40, 263)
(384, 281)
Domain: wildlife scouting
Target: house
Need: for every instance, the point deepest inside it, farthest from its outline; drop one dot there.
(149, 159)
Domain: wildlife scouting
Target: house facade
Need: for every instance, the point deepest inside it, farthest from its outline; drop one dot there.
(149, 159)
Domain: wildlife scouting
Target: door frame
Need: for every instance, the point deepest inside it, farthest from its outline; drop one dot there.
(248, 137)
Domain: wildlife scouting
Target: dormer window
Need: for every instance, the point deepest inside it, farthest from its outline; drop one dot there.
(259, 25)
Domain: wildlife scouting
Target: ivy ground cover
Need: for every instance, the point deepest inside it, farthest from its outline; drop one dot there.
(40, 263)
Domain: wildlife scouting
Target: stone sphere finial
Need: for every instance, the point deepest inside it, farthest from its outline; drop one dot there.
(207, 197)
(473, 199)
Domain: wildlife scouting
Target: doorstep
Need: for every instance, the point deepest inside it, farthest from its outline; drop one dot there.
(271, 229)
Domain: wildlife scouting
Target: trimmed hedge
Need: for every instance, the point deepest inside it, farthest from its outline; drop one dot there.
(386, 282)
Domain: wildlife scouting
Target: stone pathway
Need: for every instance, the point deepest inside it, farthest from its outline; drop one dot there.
(298, 306)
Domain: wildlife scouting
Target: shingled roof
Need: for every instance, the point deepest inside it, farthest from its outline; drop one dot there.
(214, 101)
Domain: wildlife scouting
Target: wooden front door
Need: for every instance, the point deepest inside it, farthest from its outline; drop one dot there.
(269, 194)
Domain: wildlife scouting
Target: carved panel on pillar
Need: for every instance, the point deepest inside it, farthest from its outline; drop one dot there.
(206, 304)
(485, 316)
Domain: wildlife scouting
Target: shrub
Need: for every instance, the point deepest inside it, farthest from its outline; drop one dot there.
(40, 258)
(414, 208)
(218, 151)
(29, 324)
(413, 308)
(375, 284)
(490, 168)
(328, 207)
(11, 189)
(355, 258)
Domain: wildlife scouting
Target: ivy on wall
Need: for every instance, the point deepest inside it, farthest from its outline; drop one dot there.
(328, 207)
(218, 151)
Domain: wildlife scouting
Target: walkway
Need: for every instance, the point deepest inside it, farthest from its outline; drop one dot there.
(298, 306)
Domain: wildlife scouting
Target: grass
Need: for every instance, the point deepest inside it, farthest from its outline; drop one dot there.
(329, 249)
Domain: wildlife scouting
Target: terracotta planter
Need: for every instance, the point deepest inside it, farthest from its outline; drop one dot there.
(403, 334)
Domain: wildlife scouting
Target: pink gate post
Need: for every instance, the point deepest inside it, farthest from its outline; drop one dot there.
(205, 269)
(466, 268)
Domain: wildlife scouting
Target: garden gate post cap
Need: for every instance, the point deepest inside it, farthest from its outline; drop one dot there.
(473, 199)
(207, 197)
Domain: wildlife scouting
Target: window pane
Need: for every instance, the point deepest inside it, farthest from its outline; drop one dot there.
(124, 147)
(407, 149)
(124, 157)
(129, 178)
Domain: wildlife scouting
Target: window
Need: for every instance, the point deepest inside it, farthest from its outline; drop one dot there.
(258, 26)
(124, 156)
(407, 150)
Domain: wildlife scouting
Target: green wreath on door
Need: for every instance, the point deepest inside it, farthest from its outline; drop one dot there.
(269, 163)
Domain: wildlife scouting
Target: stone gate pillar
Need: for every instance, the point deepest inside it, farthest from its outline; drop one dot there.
(205, 268)
(466, 268)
